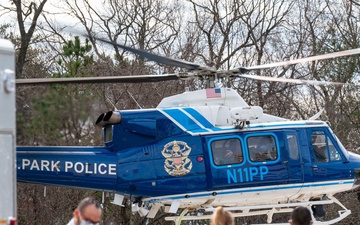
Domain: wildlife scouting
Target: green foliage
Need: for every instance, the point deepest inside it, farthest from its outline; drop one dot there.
(7, 33)
(60, 116)
(74, 58)
(4, 31)
(60, 113)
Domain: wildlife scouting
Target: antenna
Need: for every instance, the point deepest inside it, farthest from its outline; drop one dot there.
(111, 103)
(134, 99)
(317, 115)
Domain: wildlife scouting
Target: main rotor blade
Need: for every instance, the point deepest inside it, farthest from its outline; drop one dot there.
(160, 59)
(307, 59)
(290, 80)
(108, 79)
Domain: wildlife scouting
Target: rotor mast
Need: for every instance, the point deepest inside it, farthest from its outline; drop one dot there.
(210, 81)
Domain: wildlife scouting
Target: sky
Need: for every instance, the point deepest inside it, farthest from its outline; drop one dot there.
(53, 7)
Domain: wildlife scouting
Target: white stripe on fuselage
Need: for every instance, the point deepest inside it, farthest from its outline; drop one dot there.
(231, 129)
(196, 121)
(257, 195)
(175, 122)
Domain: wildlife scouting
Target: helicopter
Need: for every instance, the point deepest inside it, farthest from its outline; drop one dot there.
(202, 149)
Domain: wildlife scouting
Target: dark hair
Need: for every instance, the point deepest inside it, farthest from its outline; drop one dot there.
(222, 217)
(86, 202)
(301, 216)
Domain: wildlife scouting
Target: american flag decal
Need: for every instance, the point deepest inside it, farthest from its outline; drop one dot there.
(213, 93)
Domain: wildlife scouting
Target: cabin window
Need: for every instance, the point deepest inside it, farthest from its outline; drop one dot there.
(293, 146)
(262, 148)
(108, 133)
(324, 149)
(226, 152)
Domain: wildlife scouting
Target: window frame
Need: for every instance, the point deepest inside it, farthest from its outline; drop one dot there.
(328, 137)
(256, 163)
(109, 129)
(211, 155)
(289, 146)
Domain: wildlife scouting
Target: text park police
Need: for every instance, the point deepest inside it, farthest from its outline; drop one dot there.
(77, 167)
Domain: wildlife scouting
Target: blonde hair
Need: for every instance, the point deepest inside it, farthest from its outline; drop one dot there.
(222, 217)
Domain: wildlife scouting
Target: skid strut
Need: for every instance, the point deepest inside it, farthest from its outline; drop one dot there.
(269, 210)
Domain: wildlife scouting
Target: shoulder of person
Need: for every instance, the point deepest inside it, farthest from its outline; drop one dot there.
(71, 222)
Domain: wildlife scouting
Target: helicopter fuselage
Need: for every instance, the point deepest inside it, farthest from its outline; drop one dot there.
(161, 156)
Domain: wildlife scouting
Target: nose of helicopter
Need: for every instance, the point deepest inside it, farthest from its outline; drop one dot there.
(354, 160)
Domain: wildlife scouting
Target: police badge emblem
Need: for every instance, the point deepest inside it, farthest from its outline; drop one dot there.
(176, 154)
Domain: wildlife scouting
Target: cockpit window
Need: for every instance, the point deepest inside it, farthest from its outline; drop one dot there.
(324, 149)
(341, 146)
(108, 133)
(293, 146)
(262, 148)
(227, 152)
(333, 152)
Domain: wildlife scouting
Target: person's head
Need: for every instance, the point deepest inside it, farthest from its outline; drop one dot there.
(222, 217)
(301, 216)
(88, 212)
(313, 138)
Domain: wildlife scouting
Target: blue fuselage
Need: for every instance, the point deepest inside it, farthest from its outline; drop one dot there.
(157, 153)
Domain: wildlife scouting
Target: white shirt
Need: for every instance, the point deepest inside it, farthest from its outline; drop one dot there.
(71, 222)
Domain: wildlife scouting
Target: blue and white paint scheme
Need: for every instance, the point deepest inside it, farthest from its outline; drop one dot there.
(200, 150)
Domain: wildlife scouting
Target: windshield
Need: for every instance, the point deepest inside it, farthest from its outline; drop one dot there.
(342, 148)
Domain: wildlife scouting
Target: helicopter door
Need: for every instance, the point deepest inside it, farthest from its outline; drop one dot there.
(254, 160)
(296, 171)
(225, 153)
(328, 160)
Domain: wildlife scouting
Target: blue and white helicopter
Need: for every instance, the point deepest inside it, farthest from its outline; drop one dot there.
(202, 149)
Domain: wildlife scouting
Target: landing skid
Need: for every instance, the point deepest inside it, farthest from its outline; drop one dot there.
(268, 210)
